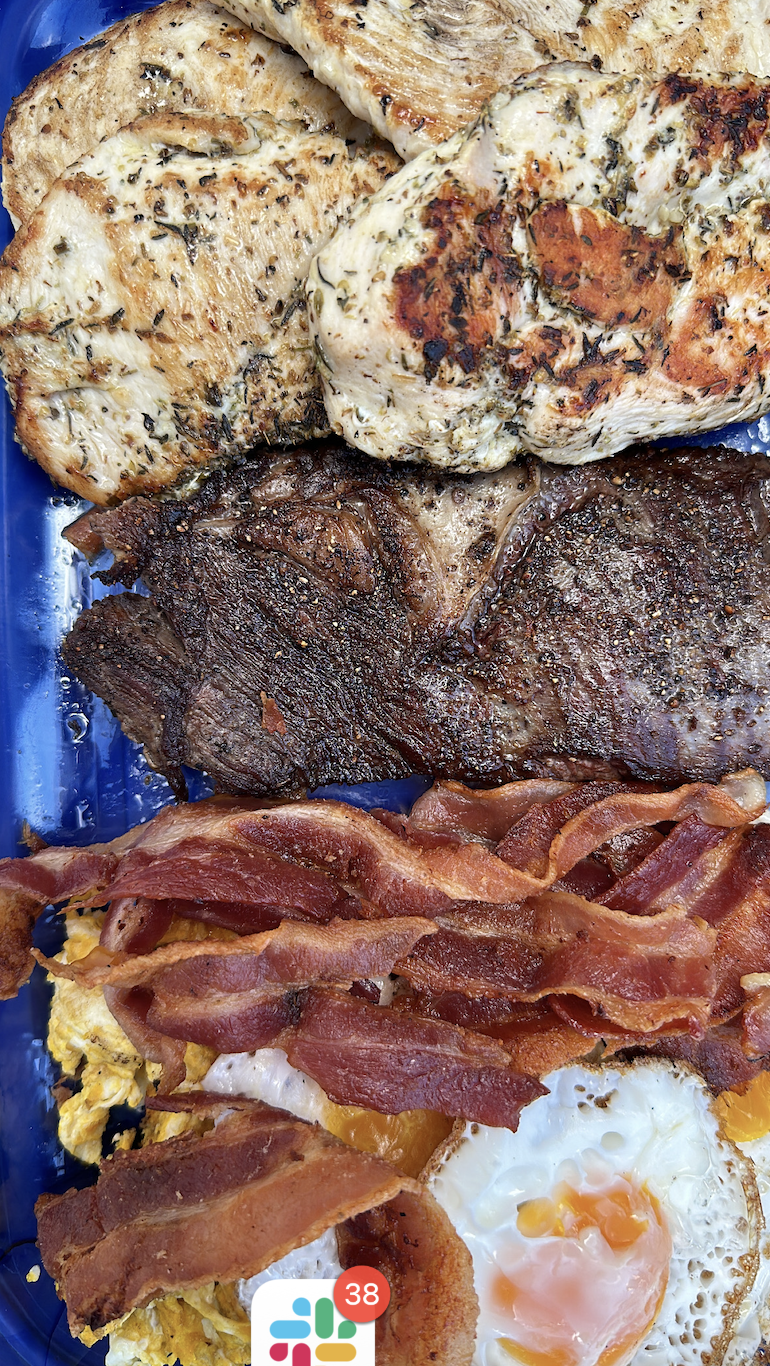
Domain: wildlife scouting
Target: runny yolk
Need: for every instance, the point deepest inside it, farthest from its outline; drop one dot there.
(407, 1140)
(746, 1116)
(586, 1285)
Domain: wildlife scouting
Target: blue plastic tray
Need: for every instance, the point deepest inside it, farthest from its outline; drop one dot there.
(66, 767)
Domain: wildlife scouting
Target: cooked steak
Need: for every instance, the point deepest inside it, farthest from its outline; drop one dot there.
(152, 309)
(587, 266)
(182, 55)
(319, 617)
(419, 72)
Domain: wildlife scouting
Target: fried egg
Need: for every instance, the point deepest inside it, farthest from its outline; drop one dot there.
(318, 1260)
(619, 1224)
(745, 1119)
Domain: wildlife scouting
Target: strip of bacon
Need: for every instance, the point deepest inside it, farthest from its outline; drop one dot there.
(293, 954)
(223, 1205)
(372, 1056)
(679, 872)
(527, 844)
(534, 1034)
(640, 972)
(324, 858)
(719, 1056)
(361, 1054)
(238, 994)
(488, 812)
(756, 1014)
(433, 1309)
(738, 903)
(137, 924)
(131, 1008)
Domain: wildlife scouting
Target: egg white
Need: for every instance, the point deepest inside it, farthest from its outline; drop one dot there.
(753, 1326)
(267, 1075)
(652, 1121)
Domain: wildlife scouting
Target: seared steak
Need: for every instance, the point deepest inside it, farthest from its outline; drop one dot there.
(317, 616)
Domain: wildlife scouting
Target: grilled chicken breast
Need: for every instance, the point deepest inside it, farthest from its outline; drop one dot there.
(587, 265)
(419, 72)
(152, 310)
(185, 54)
(318, 617)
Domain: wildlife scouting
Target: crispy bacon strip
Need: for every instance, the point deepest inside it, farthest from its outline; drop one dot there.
(194, 1209)
(18, 913)
(527, 844)
(324, 859)
(131, 1008)
(640, 972)
(679, 872)
(433, 1309)
(719, 1056)
(137, 924)
(293, 954)
(534, 1034)
(361, 1054)
(372, 1056)
(756, 1014)
(488, 812)
(239, 994)
(738, 903)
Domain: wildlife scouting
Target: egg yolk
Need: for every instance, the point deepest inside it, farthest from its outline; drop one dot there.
(745, 1116)
(587, 1283)
(407, 1140)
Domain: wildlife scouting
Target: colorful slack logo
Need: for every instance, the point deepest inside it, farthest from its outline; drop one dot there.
(296, 1322)
(324, 1327)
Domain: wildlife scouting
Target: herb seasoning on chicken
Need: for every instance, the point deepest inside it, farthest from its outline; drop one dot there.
(587, 265)
(181, 55)
(418, 72)
(152, 315)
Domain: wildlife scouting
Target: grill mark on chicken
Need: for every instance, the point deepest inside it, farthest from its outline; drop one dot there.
(603, 271)
(594, 622)
(607, 271)
(587, 265)
(729, 120)
(450, 301)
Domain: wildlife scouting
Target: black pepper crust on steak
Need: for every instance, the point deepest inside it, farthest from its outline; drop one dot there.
(316, 616)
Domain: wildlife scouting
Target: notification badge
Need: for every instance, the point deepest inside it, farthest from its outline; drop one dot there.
(361, 1294)
(299, 1322)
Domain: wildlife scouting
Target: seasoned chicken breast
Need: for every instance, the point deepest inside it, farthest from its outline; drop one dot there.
(587, 265)
(185, 54)
(152, 315)
(421, 71)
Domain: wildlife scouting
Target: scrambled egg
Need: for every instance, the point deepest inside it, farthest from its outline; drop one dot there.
(89, 1044)
(205, 1327)
(85, 1039)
